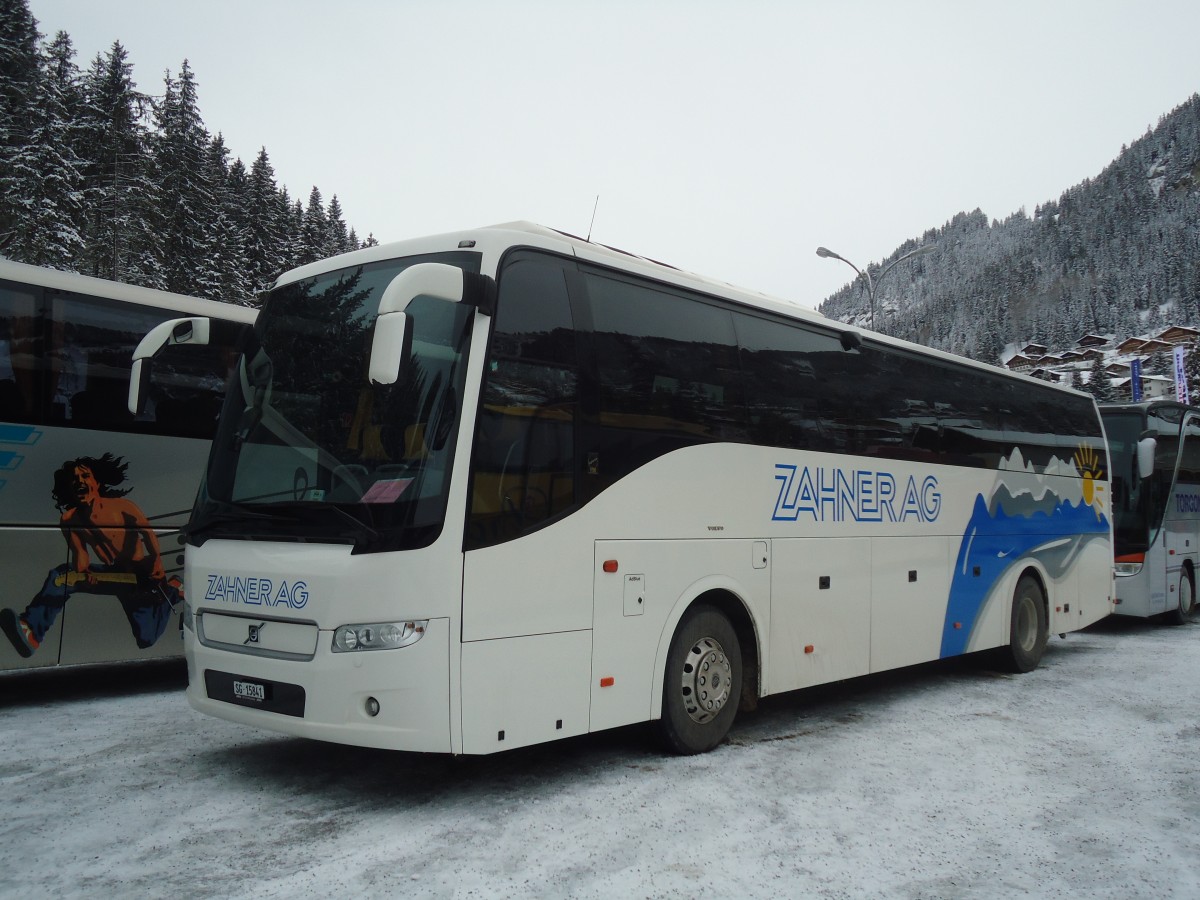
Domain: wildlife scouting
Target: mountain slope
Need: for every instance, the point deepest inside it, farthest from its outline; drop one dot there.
(1117, 254)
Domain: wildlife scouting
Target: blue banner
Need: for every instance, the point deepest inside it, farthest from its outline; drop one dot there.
(1181, 390)
(1135, 379)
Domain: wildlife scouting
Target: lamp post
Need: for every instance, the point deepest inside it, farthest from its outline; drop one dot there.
(865, 275)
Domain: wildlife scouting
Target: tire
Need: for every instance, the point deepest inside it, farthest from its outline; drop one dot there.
(703, 682)
(1187, 600)
(1028, 629)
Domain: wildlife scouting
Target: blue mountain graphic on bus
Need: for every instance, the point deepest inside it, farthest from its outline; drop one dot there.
(1004, 533)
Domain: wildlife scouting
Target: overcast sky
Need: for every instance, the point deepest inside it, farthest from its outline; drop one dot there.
(729, 138)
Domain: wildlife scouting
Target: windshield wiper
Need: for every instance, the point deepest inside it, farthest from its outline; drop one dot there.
(359, 532)
(285, 519)
(229, 516)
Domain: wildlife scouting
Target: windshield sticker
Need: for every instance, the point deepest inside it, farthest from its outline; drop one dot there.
(388, 491)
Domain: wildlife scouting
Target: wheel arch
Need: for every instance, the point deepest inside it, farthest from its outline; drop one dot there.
(725, 595)
(1043, 582)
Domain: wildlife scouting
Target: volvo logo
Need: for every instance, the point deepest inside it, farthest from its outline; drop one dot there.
(254, 632)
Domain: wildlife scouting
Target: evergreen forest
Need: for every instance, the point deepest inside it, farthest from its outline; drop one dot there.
(100, 178)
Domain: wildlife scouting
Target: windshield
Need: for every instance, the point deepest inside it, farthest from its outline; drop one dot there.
(1130, 497)
(308, 449)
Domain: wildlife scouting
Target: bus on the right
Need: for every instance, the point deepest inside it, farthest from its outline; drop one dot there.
(1154, 453)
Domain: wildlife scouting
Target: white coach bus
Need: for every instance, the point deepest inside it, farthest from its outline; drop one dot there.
(492, 488)
(92, 497)
(1154, 450)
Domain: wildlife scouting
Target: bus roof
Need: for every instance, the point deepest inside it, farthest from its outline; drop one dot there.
(126, 293)
(493, 241)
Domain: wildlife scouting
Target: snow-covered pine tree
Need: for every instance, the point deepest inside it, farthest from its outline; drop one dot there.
(20, 75)
(120, 194)
(267, 251)
(41, 180)
(226, 235)
(187, 206)
(315, 229)
(339, 239)
(1099, 384)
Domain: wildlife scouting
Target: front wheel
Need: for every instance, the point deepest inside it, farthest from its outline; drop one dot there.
(1028, 629)
(703, 681)
(1187, 600)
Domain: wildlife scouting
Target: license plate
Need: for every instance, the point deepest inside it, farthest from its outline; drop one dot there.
(248, 690)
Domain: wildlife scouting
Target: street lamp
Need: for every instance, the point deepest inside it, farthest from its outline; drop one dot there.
(865, 275)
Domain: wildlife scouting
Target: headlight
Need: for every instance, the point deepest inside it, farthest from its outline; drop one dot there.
(378, 636)
(1128, 564)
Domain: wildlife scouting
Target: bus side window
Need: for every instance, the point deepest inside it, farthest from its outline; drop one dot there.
(524, 469)
(668, 375)
(20, 356)
(91, 351)
(1189, 461)
(92, 344)
(188, 382)
(1166, 455)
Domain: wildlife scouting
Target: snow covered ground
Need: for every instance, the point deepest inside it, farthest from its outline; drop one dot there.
(1077, 780)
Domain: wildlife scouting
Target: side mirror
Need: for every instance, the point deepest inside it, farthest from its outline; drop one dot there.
(1145, 457)
(392, 340)
(193, 330)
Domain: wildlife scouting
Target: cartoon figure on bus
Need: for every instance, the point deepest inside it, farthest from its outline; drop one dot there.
(111, 550)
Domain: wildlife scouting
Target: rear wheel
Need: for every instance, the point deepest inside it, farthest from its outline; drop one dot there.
(703, 681)
(1187, 600)
(1028, 629)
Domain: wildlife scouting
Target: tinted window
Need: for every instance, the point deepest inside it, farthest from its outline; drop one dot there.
(22, 355)
(524, 462)
(92, 343)
(1130, 496)
(1166, 423)
(667, 374)
(786, 376)
(1189, 459)
(65, 360)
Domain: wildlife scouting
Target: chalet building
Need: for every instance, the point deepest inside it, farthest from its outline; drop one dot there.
(1047, 374)
(1152, 346)
(1115, 359)
(1132, 345)
(1178, 334)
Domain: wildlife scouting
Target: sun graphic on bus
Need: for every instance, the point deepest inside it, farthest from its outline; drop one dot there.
(1088, 464)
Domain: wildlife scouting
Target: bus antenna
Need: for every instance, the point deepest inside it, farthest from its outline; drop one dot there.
(593, 222)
